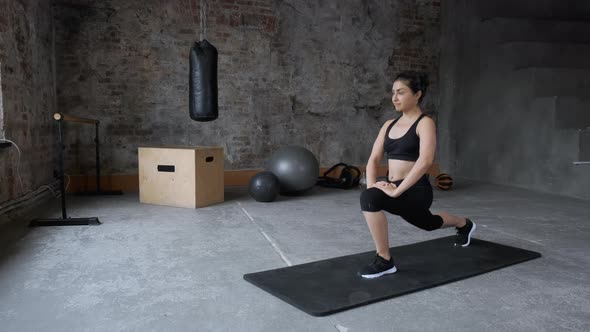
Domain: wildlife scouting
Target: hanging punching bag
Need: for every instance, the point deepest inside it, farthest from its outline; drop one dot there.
(203, 104)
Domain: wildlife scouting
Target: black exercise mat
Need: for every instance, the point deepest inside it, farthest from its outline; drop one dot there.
(324, 287)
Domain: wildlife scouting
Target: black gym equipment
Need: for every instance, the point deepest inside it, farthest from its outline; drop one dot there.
(264, 187)
(329, 286)
(203, 104)
(349, 177)
(65, 220)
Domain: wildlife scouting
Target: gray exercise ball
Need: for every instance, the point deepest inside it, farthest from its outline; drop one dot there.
(296, 168)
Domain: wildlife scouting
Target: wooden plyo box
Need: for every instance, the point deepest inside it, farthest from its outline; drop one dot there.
(190, 177)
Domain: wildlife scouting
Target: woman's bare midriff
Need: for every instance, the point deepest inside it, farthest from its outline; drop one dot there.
(399, 169)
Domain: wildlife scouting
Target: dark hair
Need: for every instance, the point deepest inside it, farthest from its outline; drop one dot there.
(416, 81)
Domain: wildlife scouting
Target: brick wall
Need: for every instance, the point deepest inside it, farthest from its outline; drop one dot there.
(26, 57)
(418, 29)
(316, 74)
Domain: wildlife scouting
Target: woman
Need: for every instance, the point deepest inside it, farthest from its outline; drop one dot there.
(409, 142)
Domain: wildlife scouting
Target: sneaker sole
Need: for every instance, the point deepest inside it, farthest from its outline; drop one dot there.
(377, 275)
(469, 235)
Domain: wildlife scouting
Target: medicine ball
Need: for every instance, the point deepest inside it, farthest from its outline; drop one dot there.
(264, 187)
(443, 181)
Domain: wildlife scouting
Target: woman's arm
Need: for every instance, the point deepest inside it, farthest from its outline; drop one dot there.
(426, 131)
(376, 155)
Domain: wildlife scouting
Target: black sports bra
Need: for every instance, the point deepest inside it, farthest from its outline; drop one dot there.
(406, 147)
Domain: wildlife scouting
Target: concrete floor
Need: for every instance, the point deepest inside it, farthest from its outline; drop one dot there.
(155, 268)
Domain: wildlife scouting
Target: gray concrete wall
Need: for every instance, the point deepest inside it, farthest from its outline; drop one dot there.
(27, 96)
(311, 73)
(514, 82)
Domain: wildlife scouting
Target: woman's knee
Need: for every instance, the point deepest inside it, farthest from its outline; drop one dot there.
(372, 200)
(433, 224)
(427, 223)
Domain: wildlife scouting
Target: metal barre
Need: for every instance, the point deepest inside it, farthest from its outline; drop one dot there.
(72, 118)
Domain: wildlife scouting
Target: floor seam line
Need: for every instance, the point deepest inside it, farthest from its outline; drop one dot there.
(268, 238)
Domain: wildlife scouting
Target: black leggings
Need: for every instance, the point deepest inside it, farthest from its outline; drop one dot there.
(413, 205)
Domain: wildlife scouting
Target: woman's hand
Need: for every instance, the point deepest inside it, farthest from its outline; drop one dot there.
(388, 188)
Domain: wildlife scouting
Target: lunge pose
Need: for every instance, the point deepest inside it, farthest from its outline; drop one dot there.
(409, 142)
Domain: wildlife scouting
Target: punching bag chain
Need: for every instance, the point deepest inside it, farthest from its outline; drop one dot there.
(203, 19)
